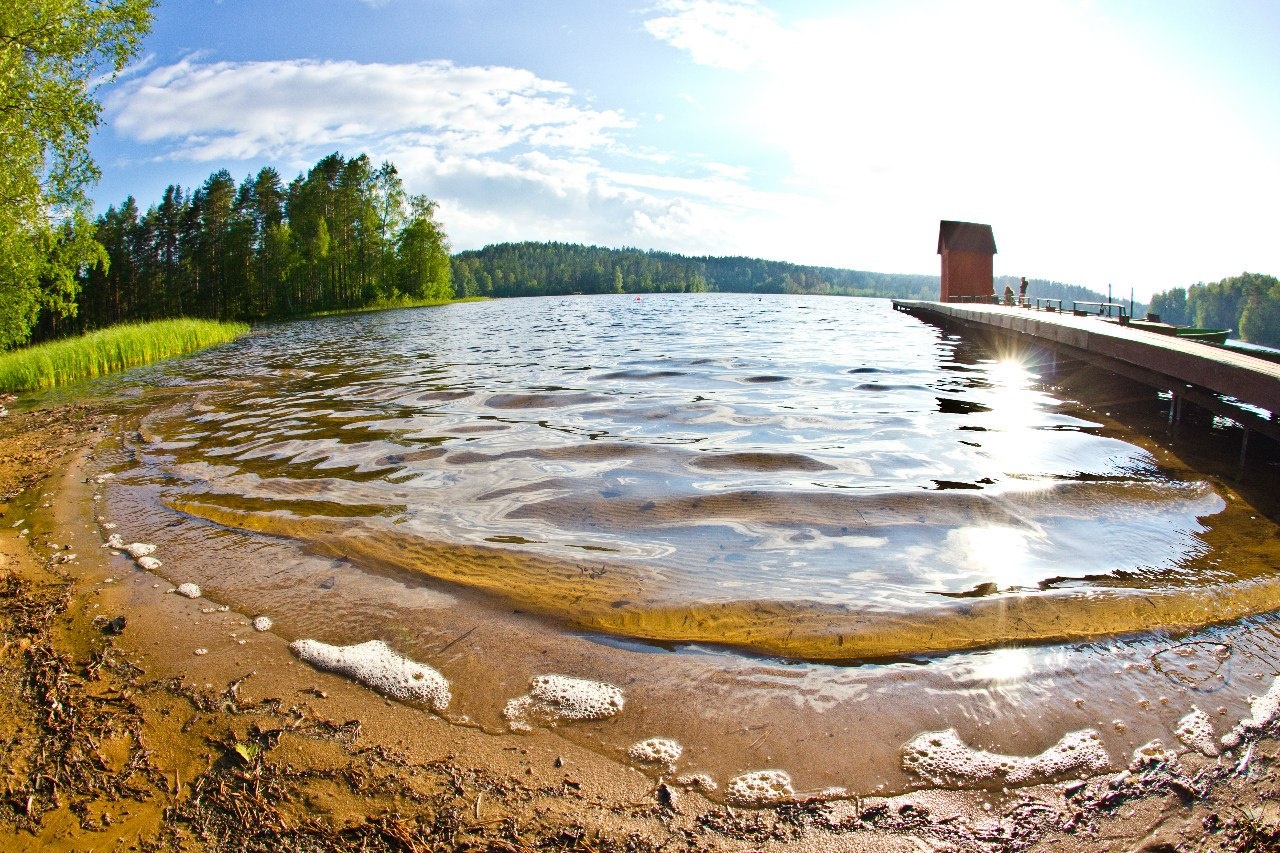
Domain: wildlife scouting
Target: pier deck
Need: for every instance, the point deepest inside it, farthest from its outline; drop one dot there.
(1190, 370)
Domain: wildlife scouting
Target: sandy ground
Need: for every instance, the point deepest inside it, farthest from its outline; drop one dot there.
(118, 736)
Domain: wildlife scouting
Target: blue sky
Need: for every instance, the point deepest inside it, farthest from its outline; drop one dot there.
(1133, 143)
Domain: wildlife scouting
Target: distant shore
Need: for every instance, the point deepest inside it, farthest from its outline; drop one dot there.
(119, 733)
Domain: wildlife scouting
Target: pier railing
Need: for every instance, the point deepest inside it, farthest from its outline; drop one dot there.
(1079, 308)
(1102, 309)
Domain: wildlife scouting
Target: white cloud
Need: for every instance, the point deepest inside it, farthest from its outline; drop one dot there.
(732, 34)
(215, 111)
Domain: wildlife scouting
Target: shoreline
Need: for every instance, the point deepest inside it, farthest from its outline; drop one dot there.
(131, 739)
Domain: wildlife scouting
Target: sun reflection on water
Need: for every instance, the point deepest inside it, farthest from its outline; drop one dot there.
(1002, 666)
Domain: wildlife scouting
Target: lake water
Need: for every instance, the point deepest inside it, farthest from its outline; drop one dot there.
(795, 532)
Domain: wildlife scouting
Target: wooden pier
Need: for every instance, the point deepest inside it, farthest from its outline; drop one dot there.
(1226, 382)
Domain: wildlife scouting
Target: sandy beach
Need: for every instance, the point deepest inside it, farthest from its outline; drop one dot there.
(134, 718)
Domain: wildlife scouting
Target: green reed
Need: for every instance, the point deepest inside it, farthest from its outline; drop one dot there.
(108, 350)
(396, 302)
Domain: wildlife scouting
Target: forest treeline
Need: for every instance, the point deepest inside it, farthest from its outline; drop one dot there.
(1248, 303)
(552, 269)
(343, 235)
(547, 269)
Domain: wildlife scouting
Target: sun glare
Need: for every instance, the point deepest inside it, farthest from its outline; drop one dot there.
(1001, 666)
(1016, 411)
(996, 555)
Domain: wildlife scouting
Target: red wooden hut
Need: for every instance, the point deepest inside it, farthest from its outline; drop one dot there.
(967, 249)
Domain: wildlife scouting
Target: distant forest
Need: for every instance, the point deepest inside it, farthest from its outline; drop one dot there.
(546, 269)
(342, 236)
(1248, 303)
(553, 269)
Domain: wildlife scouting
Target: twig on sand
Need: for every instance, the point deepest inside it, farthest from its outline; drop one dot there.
(457, 640)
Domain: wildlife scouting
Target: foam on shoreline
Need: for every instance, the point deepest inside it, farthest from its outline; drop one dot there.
(760, 787)
(656, 750)
(943, 758)
(552, 698)
(1195, 730)
(375, 665)
(1263, 712)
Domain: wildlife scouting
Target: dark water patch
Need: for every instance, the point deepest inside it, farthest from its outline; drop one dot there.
(643, 375)
(672, 413)
(765, 379)
(982, 590)
(541, 401)
(825, 511)
(299, 507)
(952, 406)
(596, 451)
(480, 428)
(550, 484)
(437, 397)
(882, 386)
(758, 462)
(944, 485)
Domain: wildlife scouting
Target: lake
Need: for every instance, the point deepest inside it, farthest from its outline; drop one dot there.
(794, 532)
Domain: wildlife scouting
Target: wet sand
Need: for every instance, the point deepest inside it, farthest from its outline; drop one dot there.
(126, 738)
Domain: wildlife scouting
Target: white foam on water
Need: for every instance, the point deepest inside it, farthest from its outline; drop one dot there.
(760, 787)
(1196, 731)
(702, 781)
(517, 713)
(1152, 753)
(190, 590)
(1263, 712)
(114, 541)
(656, 750)
(375, 665)
(149, 563)
(561, 697)
(942, 757)
(140, 549)
(262, 623)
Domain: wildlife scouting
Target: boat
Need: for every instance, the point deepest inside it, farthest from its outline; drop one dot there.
(1206, 336)
(1190, 333)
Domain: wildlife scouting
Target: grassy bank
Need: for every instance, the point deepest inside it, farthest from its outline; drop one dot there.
(108, 350)
(396, 303)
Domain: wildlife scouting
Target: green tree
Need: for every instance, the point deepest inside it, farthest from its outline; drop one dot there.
(52, 53)
(423, 252)
(1260, 322)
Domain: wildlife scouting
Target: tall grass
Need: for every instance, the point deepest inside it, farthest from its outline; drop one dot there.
(108, 350)
(396, 302)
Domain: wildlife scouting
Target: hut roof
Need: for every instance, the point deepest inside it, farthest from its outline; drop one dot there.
(966, 237)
